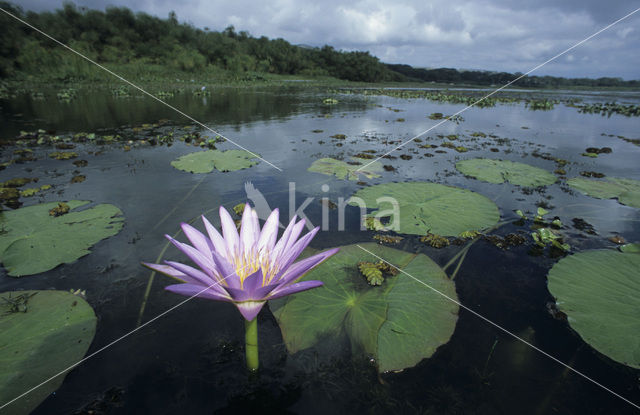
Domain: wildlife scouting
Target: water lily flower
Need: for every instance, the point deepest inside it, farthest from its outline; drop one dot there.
(247, 268)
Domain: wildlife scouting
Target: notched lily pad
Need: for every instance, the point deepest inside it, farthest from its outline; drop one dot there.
(399, 323)
(428, 207)
(39, 238)
(344, 170)
(627, 191)
(49, 332)
(599, 291)
(500, 171)
(207, 161)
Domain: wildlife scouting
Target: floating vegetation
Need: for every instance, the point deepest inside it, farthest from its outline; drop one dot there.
(505, 242)
(630, 248)
(596, 150)
(121, 92)
(500, 171)
(599, 290)
(388, 167)
(339, 136)
(63, 155)
(610, 108)
(67, 95)
(546, 236)
(398, 325)
(17, 304)
(330, 101)
(541, 104)
(388, 239)
(617, 239)
(61, 209)
(346, 170)
(239, 209)
(78, 178)
(165, 94)
(592, 174)
(435, 241)
(34, 190)
(584, 226)
(207, 161)
(373, 224)
(627, 191)
(430, 207)
(459, 149)
(376, 272)
(49, 331)
(40, 237)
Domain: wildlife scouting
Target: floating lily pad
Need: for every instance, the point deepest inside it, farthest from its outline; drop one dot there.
(630, 248)
(627, 191)
(599, 291)
(430, 207)
(206, 161)
(53, 332)
(400, 322)
(343, 170)
(35, 241)
(500, 171)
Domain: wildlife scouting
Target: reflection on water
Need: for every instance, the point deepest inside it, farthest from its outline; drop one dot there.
(191, 359)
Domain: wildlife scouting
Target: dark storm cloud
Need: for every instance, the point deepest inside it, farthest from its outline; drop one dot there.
(504, 35)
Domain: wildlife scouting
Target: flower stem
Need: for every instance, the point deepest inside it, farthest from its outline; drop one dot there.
(251, 343)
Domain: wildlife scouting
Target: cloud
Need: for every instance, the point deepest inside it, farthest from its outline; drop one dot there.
(497, 35)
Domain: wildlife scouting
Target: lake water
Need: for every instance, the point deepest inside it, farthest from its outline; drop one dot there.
(192, 359)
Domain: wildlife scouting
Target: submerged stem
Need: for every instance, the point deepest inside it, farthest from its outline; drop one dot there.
(251, 343)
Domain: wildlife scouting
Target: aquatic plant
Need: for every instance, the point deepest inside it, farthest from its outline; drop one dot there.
(245, 269)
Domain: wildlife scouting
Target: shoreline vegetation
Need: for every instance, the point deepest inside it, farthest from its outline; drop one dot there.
(164, 53)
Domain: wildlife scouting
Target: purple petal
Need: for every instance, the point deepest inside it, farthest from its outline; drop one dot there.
(249, 230)
(269, 233)
(293, 252)
(191, 290)
(252, 282)
(299, 268)
(238, 294)
(196, 256)
(229, 232)
(250, 309)
(295, 233)
(283, 239)
(228, 274)
(285, 244)
(197, 276)
(168, 271)
(198, 240)
(216, 239)
(293, 288)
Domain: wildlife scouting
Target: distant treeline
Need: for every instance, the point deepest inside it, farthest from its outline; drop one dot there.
(448, 75)
(119, 38)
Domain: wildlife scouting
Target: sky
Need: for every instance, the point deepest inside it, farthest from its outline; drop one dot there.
(496, 35)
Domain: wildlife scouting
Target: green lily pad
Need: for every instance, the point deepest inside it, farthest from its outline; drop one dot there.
(400, 322)
(34, 241)
(52, 334)
(206, 161)
(630, 248)
(627, 191)
(599, 291)
(430, 207)
(500, 171)
(343, 170)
